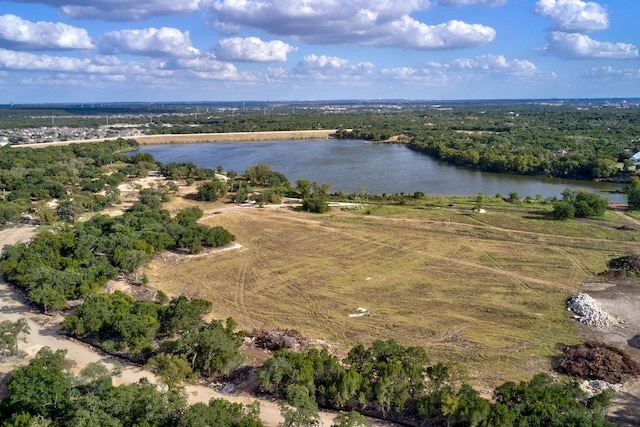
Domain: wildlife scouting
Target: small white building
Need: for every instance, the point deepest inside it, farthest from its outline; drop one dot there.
(635, 159)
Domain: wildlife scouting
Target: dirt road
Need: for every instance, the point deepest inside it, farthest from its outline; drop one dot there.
(45, 332)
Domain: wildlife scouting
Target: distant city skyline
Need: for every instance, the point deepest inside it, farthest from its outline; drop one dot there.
(74, 51)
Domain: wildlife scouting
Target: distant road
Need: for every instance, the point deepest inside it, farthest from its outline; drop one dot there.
(204, 137)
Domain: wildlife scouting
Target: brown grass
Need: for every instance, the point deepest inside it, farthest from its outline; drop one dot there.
(462, 286)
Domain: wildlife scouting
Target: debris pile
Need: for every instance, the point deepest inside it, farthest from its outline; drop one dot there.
(597, 361)
(624, 266)
(279, 339)
(589, 311)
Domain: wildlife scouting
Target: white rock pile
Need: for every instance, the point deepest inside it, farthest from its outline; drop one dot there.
(589, 311)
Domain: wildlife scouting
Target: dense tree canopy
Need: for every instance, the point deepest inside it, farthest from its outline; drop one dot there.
(44, 393)
(579, 204)
(397, 382)
(69, 263)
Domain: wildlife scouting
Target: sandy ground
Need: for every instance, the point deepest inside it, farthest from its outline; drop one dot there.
(45, 332)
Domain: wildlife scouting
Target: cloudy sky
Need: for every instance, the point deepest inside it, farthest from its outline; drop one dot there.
(231, 50)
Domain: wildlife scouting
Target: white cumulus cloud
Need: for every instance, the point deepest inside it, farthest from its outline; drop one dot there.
(109, 68)
(324, 67)
(361, 22)
(206, 67)
(573, 15)
(580, 46)
(413, 75)
(18, 33)
(477, 66)
(608, 72)
(12, 60)
(253, 49)
(408, 32)
(496, 64)
(163, 41)
(121, 10)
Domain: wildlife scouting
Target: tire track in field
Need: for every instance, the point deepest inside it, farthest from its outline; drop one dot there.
(522, 279)
(499, 270)
(537, 238)
(315, 311)
(241, 280)
(516, 278)
(576, 265)
(298, 289)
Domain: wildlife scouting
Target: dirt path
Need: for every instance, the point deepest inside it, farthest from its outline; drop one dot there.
(45, 332)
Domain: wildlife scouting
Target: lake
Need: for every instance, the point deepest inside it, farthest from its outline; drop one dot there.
(354, 166)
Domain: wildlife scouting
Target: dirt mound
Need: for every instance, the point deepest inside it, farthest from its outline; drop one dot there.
(597, 361)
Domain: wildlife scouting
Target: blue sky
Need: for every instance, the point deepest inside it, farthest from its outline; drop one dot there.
(231, 50)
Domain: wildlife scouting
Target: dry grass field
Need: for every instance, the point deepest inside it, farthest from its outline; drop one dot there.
(487, 290)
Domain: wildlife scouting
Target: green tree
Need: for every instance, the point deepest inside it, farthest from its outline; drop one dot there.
(303, 188)
(300, 408)
(212, 190)
(221, 413)
(350, 419)
(213, 350)
(48, 297)
(10, 334)
(318, 200)
(131, 261)
(184, 315)
(45, 214)
(9, 212)
(171, 370)
(262, 175)
(42, 388)
(633, 198)
(563, 210)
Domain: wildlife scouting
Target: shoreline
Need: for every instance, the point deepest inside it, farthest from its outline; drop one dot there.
(195, 138)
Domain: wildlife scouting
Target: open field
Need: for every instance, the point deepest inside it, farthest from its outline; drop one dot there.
(487, 290)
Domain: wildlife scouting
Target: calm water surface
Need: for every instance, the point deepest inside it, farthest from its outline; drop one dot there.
(354, 166)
